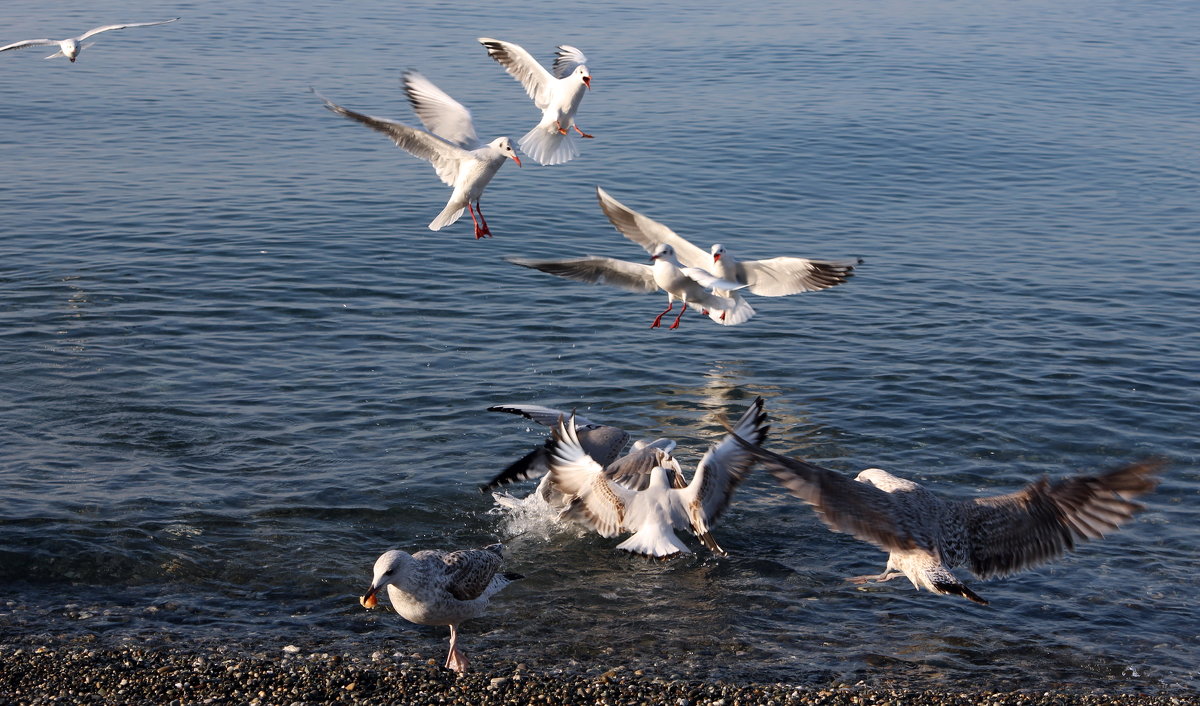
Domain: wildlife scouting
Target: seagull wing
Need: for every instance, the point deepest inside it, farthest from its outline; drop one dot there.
(780, 276)
(439, 113)
(469, 572)
(546, 416)
(711, 281)
(595, 501)
(648, 232)
(108, 28)
(538, 82)
(446, 158)
(566, 59)
(30, 43)
(842, 503)
(631, 276)
(1040, 522)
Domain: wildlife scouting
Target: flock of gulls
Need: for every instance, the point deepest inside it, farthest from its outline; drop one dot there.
(586, 475)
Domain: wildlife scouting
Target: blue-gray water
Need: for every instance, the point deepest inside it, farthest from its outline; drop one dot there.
(235, 366)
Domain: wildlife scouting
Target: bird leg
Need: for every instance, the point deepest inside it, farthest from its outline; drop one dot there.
(561, 130)
(677, 318)
(486, 231)
(479, 232)
(658, 320)
(456, 660)
(887, 575)
(582, 133)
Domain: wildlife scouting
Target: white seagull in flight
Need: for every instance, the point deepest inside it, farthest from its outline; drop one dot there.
(450, 144)
(556, 94)
(71, 47)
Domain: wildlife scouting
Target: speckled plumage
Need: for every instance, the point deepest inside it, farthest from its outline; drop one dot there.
(926, 536)
(433, 587)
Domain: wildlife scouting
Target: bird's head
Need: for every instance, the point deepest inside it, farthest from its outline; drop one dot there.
(505, 145)
(388, 568)
(584, 75)
(663, 252)
(717, 251)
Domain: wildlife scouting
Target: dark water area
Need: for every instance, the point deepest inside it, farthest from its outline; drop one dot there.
(235, 366)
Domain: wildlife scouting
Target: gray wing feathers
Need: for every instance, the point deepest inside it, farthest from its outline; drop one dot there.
(780, 276)
(566, 58)
(648, 232)
(469, 572)
(725, 465)
(30, 43)
(439, 113)
(1008, 533)
(631, 276)
(545, 416)
(521, 65)
(107, 28)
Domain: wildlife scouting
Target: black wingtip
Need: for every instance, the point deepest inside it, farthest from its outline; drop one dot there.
(958, 589)
(512, 576)
(516, 471)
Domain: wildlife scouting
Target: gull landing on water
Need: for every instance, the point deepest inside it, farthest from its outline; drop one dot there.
(926, 536)
(557, 95)
(450, 144)
(71, 47)
(438, 588)
(689, 285)
(655, 511)
(774, 277)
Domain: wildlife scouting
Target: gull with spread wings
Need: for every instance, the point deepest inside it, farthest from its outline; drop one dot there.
(656, 511)
(556, 94)
(926, 535)
(450, 144)
(774, 277)
(71, 46)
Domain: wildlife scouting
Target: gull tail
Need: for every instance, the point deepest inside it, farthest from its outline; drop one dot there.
(546, 145)
(55, 55)
(450, 214)
(740, 312)
(655, 540)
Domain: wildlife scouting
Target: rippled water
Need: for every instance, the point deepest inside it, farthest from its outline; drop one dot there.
(236, 366)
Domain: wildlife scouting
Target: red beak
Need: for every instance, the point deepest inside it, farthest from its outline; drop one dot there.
(516, 159)
(587, 81)
(716, 256)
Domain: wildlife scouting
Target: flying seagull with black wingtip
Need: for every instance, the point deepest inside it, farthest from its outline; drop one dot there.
(71, 46)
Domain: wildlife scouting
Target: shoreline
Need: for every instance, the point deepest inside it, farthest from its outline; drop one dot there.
(178, 676)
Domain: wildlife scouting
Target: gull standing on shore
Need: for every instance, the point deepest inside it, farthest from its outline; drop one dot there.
(557, 95)
(71, 47)
(450, 144)
(774, 277)
(433, 587)
(926, 536)
(689, 285)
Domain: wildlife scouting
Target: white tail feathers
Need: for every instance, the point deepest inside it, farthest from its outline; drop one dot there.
(656, 540)
(450, 214)
(546, 145)
(739, 313)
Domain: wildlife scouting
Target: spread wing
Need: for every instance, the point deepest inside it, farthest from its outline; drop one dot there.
(446, 158)
(842, 503)
(631, 276)
(546, 416)
(723, 467)
(566, 59)
(30, 43)
(1043, 520)
(109, 28)
(439, 113)
(648, 232)
(633, 469)
(595, 501)
(523, 67)
(601, 441)
(780, 276)
(469, 572)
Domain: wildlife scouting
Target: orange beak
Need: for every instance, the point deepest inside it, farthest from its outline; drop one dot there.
(516, 159)
(368, 601)
(587, 81)
(716, 256)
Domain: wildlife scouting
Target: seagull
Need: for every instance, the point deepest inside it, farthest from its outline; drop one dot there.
(926, 535)
(776, 277)
(602, 442)
(434, 587)
(71, 47)
(459, 158)
(686, 284)
(557, 95)
(654, 512)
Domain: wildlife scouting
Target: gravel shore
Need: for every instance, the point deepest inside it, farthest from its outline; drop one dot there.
(42, 675)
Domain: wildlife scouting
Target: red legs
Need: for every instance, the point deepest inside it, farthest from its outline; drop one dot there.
(456, 660)
(680, 316)
(658, 319)
(887, 575)
(479, 232)
(561, 129)
(581, 132)
(486, 231)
